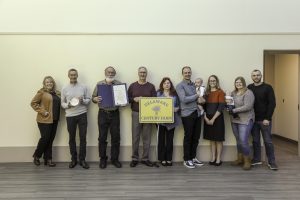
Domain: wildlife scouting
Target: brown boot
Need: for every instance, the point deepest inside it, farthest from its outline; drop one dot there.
(239, 160)
(247, 163)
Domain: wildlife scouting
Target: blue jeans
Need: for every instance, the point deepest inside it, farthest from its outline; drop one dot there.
(242, 133)
(258, 128)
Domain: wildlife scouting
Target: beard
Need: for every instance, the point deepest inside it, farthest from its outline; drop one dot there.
(109, 79)
(257, 80)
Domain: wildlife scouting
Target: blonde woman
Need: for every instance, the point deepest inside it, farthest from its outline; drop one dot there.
(242, 124)
(46, 103)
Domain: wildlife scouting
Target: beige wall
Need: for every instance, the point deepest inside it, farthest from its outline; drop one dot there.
(150, 16)
(286, 92)
(26, 59)
(39, 38)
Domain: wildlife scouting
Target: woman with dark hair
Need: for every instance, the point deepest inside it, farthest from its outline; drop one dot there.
(214, 128)
(166, 131)
(241, 126)
(47, 105)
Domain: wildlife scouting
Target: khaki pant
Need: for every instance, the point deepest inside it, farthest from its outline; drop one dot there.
(139, 129)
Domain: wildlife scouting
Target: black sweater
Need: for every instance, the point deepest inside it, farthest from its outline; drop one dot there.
(265, 103)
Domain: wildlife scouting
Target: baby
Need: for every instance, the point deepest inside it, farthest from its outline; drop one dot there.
(200, 89)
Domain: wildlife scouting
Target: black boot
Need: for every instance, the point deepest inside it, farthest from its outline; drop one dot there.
(50, 163)
(36, 161)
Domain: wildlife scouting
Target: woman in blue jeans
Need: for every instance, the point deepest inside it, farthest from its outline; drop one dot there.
(242, 123)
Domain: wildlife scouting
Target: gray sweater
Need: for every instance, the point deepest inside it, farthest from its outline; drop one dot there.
(75, 90)
(243, 107)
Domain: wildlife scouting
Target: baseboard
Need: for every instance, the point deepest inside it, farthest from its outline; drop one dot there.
(285, 139)
(62, 153)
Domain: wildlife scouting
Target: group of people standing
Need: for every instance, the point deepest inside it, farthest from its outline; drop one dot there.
(251, 113)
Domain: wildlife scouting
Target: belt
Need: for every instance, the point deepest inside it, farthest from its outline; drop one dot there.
(108, 111)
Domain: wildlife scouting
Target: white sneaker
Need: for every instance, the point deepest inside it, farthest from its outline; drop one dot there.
(197, 162)
(189, 164)
(253, 163)
(273, 166)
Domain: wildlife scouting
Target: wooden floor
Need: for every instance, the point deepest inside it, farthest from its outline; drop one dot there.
(25, 181)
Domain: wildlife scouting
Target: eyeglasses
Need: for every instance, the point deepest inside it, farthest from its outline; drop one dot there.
(212, 80)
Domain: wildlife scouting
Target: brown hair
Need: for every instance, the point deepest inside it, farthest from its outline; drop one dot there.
(172, 89)
(72, 70)
(256, 70)
(185, 67)
(208, 90)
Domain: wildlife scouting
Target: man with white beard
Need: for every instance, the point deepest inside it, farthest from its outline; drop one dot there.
(108, 118)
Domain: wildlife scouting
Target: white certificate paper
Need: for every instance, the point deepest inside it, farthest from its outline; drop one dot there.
(120, 95)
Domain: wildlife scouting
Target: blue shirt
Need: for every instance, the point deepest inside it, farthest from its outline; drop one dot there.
(177, 119)
(188, 96)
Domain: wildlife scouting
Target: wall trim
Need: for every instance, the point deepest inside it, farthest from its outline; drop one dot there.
(142, 33)
(285, 139)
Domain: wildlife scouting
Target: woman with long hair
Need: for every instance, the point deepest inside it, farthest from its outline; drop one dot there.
(46, 103)
(214, 128)
(242, 124)
(166, 131)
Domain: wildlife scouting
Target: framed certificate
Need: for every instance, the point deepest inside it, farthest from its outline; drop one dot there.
(112, 95)
(120, 94)
(156, 110)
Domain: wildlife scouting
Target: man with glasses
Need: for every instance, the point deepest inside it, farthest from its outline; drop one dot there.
(138, 89)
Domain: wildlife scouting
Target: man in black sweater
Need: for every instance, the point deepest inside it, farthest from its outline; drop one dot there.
(264, 106)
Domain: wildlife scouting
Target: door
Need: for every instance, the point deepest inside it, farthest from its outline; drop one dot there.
(282, 72)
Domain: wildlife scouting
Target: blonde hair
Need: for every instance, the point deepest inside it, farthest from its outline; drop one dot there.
(199, 79)
(44, 82)
(243, 83)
